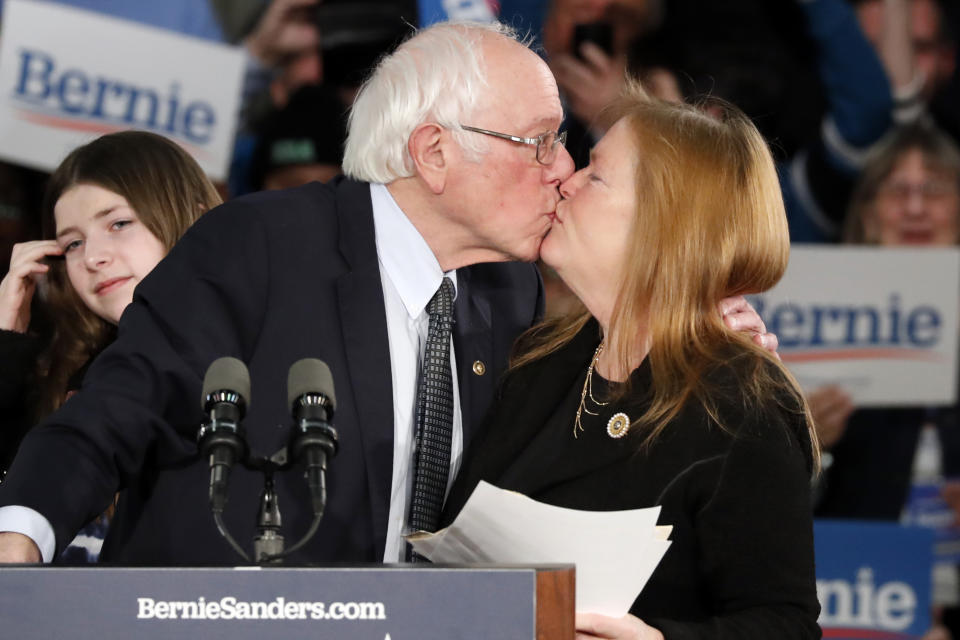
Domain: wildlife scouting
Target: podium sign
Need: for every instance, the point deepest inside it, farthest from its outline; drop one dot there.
(376, 603)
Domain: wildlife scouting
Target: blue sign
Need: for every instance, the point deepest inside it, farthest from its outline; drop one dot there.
(926, 508)
(873, 579)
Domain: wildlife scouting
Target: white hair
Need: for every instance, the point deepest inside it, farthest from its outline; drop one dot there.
(438, 75)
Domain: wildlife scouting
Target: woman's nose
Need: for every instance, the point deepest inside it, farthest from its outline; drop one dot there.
(570, 186)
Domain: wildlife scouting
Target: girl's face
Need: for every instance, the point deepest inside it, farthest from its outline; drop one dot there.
(106, 247)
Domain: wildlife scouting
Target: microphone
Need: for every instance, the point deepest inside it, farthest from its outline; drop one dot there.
(313, 403)
(225, 398)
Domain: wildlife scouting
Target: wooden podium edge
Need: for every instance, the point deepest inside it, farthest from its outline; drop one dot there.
(556, 594)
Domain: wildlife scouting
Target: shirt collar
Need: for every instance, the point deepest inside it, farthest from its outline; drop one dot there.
(405, 255)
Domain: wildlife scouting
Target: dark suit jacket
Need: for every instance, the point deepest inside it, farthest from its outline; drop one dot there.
(269, 279)
(18, 353)
(741, 561)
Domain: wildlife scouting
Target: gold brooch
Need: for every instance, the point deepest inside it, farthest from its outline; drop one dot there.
(618, 425)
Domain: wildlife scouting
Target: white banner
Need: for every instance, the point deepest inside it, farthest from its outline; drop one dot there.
(68, 75)
(880, 322)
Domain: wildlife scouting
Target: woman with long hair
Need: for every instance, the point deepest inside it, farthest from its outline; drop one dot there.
(646, 398)
(112, 210)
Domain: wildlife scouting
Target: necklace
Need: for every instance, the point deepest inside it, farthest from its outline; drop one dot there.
(620, 422)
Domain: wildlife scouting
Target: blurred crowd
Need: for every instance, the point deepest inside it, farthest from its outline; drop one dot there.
(859, 100)
(825, 81)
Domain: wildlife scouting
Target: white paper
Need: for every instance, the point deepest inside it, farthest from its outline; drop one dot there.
(615, 551)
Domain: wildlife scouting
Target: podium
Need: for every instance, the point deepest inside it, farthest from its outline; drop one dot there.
(375, 602)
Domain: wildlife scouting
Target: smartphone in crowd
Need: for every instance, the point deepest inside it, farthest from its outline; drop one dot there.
(598, 33)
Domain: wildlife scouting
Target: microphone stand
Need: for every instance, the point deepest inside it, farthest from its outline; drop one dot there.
(268, 542)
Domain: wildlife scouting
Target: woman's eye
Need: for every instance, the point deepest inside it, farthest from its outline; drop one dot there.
(70, 246)
(120, 224)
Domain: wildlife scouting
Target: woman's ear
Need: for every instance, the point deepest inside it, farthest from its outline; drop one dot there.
(427, 146)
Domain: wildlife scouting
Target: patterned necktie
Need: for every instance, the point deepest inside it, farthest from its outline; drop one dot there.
(434, 415)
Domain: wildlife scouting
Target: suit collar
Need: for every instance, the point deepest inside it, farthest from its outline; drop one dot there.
(472, 342)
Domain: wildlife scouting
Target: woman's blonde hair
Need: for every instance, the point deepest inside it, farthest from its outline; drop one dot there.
(710, 224)
(167, 189)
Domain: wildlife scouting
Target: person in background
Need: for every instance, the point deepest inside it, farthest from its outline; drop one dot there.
(301, 142)
(112, 210)
(918, 47)
(878, 461)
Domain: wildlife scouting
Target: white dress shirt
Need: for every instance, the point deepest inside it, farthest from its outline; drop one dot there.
(410, 275)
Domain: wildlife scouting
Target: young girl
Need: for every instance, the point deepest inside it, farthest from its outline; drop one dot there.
(112, 210)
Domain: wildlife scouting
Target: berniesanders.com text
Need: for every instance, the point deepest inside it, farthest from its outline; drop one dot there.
(231, 608)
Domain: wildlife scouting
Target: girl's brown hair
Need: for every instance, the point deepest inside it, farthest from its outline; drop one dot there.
(168, 191)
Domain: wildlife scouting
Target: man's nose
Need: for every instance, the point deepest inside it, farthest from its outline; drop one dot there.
(561, 168)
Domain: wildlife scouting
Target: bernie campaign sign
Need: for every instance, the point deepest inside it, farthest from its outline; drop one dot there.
(873, 579)
(879, 322)
(68, 75)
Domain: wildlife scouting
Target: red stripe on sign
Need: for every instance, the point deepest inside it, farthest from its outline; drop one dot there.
(861, 354)
(67, 123)
(863, 634)
(95, 127)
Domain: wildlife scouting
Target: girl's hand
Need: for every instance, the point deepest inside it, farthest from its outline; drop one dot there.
(18, 286)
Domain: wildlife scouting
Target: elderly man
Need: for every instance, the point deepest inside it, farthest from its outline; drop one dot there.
(455, 161)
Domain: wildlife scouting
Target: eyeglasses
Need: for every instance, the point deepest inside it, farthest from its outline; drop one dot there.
(934, 190)
(546, 143)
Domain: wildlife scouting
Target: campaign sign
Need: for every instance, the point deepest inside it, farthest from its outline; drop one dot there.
(873, 579)
(879, 322)
(68, 75)
(431, 11)
(926, 507)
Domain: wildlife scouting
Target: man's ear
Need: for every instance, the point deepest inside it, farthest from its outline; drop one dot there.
(427, 148)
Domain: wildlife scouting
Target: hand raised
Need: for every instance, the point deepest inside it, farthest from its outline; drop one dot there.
(20, 283)
(590, 84)
(285, 30)
(830, 407)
